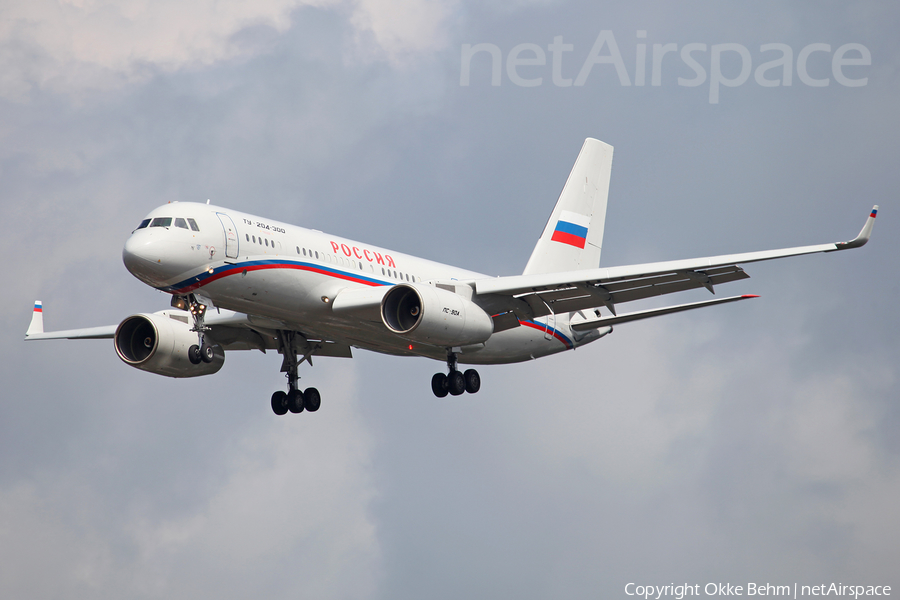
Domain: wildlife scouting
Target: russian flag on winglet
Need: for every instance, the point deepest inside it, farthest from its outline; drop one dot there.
(38, 307)
(874, 213)
(571, 229)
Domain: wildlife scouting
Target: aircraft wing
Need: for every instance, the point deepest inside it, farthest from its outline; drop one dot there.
(545, 293)
(231, 330)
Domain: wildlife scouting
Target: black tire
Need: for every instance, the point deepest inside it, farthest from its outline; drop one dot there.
(207, 353)
(473, 381)
(439, 385)
(194, 354)
(279, 403)
(456, 383)
(295, 401)
(312, 400)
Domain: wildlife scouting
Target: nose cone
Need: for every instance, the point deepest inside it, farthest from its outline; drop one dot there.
(157, 260)
(142, 259)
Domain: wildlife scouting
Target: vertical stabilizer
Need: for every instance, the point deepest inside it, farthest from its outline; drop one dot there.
(572, 239)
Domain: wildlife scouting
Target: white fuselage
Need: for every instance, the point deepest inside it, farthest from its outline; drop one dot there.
(266, 268)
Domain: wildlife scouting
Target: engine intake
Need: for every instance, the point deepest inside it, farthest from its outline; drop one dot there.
(431, 315)
(159, 344)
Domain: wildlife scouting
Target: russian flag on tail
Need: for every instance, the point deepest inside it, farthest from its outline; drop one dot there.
(571, 229)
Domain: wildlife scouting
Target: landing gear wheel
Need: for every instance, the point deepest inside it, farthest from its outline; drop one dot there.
(473, 381)
(456, 383)
(295, 401)
(279, 403)
(439, 385)
(207, 353)
(311, 399)
(194, 354)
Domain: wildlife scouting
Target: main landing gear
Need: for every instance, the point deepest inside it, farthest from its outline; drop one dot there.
(294, 400)
(455, 383)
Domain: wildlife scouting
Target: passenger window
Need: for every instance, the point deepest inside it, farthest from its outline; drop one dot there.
(161, 222)
(143, 224)
(248, 236)
(304, 252)
(267, 243)
(193, 224)
(254, 239)
(317, 254)
(179, 222)
(298, 249)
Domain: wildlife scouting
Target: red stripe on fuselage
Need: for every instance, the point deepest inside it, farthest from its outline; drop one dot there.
(544, 329)
(238, 269)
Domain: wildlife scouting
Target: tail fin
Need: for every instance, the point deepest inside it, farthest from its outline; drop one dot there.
(574, 234)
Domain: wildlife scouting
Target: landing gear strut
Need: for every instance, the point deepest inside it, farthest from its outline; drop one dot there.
(202, 351)
(455, 383)
(294, 400)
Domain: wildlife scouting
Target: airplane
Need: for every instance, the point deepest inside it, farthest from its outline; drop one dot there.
(242, 282)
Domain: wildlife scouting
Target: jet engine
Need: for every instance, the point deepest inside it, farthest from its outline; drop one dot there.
(431, 315)
(159, 343)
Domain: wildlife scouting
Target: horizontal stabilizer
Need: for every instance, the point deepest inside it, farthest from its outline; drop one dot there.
(654, 312)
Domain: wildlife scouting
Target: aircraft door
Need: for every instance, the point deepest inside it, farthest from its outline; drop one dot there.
(231, 236)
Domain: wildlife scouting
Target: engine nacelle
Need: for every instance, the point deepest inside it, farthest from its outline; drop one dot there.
(159, 344)
(431, 315)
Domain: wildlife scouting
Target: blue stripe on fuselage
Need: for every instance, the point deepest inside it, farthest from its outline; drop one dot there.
(205, 277)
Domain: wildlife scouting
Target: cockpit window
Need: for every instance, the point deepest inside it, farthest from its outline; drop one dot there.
(143, 224)
(193, 224)
(179, 222)
(161, 222)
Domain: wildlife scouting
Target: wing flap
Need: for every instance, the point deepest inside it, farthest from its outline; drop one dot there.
(584, 297)
(655, 312)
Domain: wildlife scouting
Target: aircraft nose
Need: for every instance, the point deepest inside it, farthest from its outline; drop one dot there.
(143, 259)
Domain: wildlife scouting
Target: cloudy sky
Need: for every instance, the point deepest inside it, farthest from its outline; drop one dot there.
(755, 442)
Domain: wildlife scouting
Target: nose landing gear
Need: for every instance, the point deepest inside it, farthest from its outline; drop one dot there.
(455, 382)
(202, 351)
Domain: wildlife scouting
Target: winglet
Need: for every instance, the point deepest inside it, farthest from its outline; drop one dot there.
(37, 319)
(864, 234)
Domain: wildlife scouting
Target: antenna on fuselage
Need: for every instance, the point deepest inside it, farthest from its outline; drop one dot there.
(207, 201)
